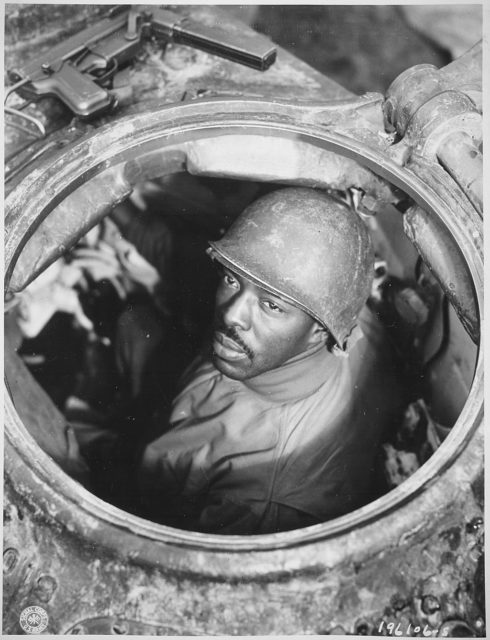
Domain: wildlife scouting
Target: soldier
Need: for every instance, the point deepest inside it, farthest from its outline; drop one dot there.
(279, 420)
(273, 430)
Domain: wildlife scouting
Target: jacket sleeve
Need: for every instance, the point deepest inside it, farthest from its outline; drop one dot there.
(171, 479)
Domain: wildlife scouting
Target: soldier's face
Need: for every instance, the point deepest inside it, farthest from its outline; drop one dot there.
(255, 331)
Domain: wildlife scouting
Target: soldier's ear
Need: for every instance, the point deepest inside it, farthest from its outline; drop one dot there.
(318, 334)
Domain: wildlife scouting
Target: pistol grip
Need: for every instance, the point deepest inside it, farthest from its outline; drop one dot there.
(75, 89)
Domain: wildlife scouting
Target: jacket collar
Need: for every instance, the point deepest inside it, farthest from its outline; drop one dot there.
(297, 378)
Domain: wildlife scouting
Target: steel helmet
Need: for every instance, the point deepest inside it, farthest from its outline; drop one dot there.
(309, 249)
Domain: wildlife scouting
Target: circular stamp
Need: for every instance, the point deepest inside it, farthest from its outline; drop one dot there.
(33, 620)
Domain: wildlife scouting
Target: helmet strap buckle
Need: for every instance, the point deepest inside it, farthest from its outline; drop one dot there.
(355, 335)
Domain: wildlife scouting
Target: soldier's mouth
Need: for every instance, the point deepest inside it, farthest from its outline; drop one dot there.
(226, 348)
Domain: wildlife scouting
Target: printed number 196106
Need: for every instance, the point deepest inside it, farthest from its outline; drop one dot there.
(396, 629)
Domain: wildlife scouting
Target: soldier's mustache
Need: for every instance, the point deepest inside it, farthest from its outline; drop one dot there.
(231, 332)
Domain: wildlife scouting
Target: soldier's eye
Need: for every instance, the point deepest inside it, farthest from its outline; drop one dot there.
(272, 306)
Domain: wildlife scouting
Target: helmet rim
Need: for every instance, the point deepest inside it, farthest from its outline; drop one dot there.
(309, 249)
(217, 254)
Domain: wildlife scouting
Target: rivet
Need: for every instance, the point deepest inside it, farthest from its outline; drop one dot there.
(10, 559)
(479, 623)
(45, 587)
(397, 602)
(120, 628)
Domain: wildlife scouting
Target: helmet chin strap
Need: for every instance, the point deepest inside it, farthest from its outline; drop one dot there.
(355, 335)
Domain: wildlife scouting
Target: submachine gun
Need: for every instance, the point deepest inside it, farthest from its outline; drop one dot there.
(80, 70)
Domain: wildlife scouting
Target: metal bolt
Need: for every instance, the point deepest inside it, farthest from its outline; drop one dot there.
(45, 587)
(430, 604)
(362, 628)
(474, 525)
(397, 602)
(479, 623)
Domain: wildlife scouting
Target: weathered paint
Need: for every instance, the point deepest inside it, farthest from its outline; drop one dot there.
(311, 580)
(415, 557)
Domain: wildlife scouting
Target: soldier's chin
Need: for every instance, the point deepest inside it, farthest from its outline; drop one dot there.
(234, 370)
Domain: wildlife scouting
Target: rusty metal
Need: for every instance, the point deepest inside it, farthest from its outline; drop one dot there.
(439, 251)
(203, 155)
(438, 114)
(162, 565)
(71, 70)
(418, 84)
(464, 163)
(330, 166)
(179, 75)
(412, 556)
